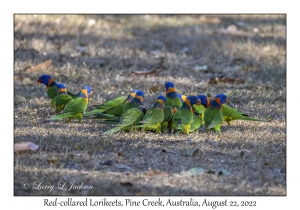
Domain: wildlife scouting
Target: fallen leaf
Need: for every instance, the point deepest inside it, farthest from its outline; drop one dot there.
(39, 67)
(213, 81)
(155, 173)
(209, 20)
(148, 72)
(194, 171)
(52, 160)
(232, 30)
(226, 80)
(26, 81)
(156, 88)
(21, 146)
(200, 68)
(121, 166)
(126, 184)
(22, 80)
(192, 152)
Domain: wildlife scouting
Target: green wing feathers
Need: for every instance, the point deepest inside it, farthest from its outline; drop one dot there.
(182, 120)
(113, 107)
(174, 102)
(152, 120)
(153, 116)
(51, 92)
(74, 109)
(213, 118)
(168, 113)
(60, 101)
(76, 105)
(196, 123)
(130, 117)
(200, 109)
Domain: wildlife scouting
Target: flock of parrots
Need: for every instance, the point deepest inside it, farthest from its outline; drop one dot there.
(174, 112)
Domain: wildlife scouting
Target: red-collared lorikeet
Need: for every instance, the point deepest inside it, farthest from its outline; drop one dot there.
(213, 115)
(155, 116)
(184, 116)
(76, 106)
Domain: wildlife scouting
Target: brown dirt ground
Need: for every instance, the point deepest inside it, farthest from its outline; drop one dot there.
(103, 51)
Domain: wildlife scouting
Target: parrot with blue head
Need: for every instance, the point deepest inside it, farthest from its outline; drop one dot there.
(50, 84)
(155, 116)
(172, 98)
(76, 106)
(62, 97)
(213, 115)
(51, 88)
(136, 101)
(205, 103)
(184, 116)
(229, 113)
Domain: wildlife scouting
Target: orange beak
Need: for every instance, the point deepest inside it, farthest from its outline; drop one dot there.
(39, 81)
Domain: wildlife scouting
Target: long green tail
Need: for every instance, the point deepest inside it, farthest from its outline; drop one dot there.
(229, 119)
(96, 111)
(64, 115)
(242, 117)
(148, 126)
(102, 106)
(253, 119)
(106, 116)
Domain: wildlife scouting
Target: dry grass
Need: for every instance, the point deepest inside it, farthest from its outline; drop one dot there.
(252, 155)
